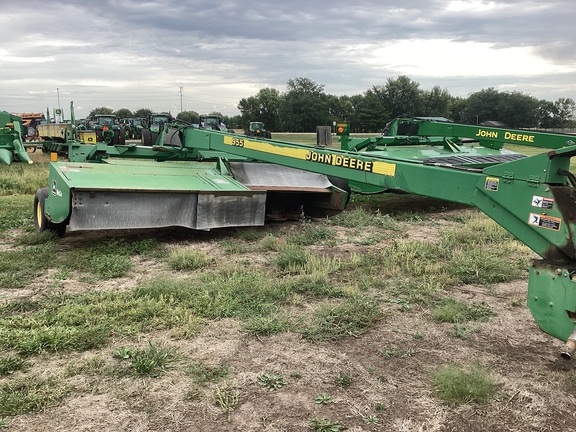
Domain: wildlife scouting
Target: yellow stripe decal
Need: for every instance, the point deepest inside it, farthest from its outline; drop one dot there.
(266, 147)
(384, 168)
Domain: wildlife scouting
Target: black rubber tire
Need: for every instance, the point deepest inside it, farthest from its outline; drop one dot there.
(146, 137)
(154, 138)
(99, 136)
(41, 222)
(122, 137)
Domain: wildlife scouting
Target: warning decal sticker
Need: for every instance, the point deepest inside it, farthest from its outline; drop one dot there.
(541, 202)
(544, 221)
(492, 183)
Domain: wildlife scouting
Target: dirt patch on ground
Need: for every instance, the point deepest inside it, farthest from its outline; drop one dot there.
(389, 367)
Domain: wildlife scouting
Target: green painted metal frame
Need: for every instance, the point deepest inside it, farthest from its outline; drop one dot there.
(11, 139)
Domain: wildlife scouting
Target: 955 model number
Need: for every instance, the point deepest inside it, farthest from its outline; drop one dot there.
(238, 142)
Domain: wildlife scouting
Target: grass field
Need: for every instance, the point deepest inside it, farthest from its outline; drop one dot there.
(402, 313)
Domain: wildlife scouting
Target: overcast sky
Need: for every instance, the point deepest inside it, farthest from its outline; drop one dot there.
(207, 55)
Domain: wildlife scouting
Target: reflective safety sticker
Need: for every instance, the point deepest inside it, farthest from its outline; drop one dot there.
(544, 221)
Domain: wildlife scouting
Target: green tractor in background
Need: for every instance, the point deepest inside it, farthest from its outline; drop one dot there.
(133, 127)
(155, 124)
(256, 129)
(213, 122)
(108, 129)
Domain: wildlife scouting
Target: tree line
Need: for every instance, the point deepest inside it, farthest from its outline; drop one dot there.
(304, 105)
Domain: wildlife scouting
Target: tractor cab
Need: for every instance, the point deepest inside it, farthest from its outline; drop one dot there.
(213, 122)
(105, 120)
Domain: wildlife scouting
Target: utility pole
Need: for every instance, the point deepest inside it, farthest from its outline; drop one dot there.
(180, 98)
(59, 109)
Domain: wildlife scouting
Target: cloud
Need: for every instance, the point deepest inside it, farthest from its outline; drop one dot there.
(128, 53)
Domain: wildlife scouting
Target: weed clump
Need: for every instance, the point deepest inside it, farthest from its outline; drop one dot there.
(183, 259)
(456, 384)
(453, 311)
(202, 373)
(29, 395)
(151, 361)
(271, 382)
(354, 316)
(9, 365)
